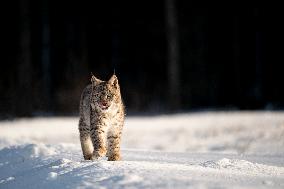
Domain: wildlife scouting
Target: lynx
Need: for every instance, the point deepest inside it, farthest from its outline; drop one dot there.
(101, 119)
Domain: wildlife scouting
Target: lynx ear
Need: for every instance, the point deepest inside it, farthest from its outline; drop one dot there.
(113, 81)
(95, 80)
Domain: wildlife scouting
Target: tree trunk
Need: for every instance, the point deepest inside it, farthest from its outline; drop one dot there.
(45, 57)
(23, 95)
(173, 55)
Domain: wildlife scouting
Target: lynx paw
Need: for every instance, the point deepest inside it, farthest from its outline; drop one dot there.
(88, 157)
(99, 153)
(114, 157)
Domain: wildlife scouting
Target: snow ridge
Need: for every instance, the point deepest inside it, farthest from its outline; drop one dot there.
(199, 150)
(53, 169)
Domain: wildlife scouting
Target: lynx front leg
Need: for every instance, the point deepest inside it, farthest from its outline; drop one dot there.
(98, 137)
(114, 146)
(86, 143)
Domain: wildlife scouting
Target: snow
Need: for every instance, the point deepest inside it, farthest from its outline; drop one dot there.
(190, 150)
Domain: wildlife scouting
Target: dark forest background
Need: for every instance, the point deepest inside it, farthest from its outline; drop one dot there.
(167, 55)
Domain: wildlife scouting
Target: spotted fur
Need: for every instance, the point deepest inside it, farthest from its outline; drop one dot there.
(101, 119)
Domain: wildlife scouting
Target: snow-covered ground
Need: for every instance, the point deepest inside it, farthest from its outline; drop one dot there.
(192, 150)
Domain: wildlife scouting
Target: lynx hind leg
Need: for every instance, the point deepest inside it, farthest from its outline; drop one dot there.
(86, 142)
(87, 147)
(113, 152)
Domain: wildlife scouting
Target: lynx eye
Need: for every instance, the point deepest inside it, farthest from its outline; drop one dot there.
(96, 95)
(109, 96)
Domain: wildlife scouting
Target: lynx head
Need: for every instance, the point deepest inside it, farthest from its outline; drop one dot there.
(105, 94)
